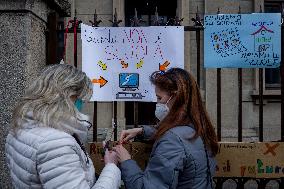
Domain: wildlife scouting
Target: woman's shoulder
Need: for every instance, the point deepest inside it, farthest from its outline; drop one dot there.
(175, 137)
(36, 136)
(180, 132)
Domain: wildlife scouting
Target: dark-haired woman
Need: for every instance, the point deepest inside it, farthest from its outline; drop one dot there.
(185, 141)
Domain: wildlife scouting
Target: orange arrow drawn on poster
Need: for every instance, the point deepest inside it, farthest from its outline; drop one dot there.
(102, 81)
(164, 66)
(124, 64)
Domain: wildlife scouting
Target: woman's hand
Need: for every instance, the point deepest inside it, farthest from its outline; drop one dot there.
(122, 153)
(110, 157)
(129, 134)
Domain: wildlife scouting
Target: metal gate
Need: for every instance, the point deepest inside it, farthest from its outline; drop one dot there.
(197, 28)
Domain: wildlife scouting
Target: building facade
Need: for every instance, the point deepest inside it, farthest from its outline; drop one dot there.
(32, 35)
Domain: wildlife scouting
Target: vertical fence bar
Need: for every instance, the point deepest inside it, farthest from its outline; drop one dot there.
(261, 104)
(260, 99)
(135, 23)
(219, 99)
(281, 184)
(240, 107)
(282, 83)
(95, 122)
(135, 114)
(198, 55)
(115, 23)
(240, 111)
(260, 87)
(115, 120)
(95, 23)
(219, 104)
(75, 42)
(197, 23)
(76, 24)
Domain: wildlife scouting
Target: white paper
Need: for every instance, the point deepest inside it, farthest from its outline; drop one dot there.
(126, 57)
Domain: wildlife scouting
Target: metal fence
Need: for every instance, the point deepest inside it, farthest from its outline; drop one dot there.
(197, 28)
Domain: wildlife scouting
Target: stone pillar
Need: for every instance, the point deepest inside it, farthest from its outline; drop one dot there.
(22, 54)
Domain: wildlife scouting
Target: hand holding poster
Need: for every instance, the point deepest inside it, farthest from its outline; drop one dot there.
(242, 40)
(119, 60)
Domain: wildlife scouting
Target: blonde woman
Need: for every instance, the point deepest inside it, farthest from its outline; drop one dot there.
(44, 147)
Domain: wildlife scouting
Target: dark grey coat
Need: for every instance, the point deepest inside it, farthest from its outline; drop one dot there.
(177, 161)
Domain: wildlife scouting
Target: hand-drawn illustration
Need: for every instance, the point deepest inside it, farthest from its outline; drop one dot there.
(125, 57)
(264, 54)
(102, 65)
(124, 64)
(263, 39)
(129, 96)
(102, 81)
(163, 67)
(139, 64)
(227, 42)
(129, 82)
(242, 40)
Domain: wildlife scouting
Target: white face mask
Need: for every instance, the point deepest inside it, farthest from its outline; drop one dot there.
(162, 110)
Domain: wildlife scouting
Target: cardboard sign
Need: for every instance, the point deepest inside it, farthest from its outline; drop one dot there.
(269, 160)
(236, 160)
(139, 152)
(256, 160)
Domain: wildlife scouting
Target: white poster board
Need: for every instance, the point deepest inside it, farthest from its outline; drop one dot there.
(120, 60)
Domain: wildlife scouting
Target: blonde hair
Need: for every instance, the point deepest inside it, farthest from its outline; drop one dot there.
(48, 97)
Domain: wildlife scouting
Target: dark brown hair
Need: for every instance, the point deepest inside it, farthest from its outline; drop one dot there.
(187, 107)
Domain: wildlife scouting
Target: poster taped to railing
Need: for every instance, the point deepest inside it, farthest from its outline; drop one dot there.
(234, 159)
(254, 160)
(242, 40)
(119, 60)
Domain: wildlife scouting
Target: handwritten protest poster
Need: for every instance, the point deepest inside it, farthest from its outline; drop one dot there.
(255, 160)
(270, 160)
(119, 60)
(242, 40)
(236, 159)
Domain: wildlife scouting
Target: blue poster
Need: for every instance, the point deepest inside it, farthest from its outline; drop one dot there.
(242, 40)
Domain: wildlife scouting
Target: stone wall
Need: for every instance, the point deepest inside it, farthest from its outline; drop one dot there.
(22, 55)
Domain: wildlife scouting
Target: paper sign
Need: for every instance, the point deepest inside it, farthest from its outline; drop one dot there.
(119, 60)
(270, 160)
(255, 160)
(242, 40)
(236, 160)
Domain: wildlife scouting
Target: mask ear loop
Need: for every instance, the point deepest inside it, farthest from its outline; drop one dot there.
(169, 100)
